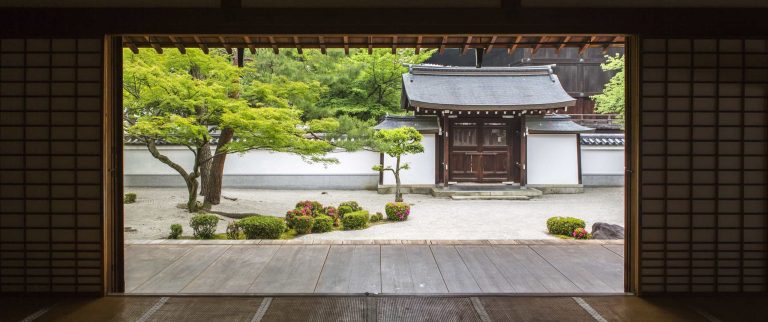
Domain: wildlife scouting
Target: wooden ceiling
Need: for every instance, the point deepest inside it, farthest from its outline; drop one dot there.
(323, 42)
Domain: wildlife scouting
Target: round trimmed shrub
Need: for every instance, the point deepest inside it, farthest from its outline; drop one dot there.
(262, 227)
(129, 197)
(355, 220)
(204, 226)
(564, 225)
(315, 208)
(397, 211)
(303, 224)
(376, 217)
(176, 231)
(348, 206)
(322, 224)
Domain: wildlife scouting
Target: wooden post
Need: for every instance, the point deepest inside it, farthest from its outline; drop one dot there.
(446, 155)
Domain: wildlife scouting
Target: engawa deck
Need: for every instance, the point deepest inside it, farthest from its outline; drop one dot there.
(374, 268)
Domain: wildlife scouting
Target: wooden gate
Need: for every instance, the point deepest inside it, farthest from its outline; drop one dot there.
(480, 150)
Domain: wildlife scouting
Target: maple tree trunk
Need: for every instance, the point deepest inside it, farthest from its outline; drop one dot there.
(216, 172)
(205, 167)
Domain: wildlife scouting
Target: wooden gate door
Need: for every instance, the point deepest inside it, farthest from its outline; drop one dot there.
(479, 151)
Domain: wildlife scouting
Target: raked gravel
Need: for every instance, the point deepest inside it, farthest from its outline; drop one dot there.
(431, 218)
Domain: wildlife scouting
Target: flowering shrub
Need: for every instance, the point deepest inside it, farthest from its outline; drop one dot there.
(564, 225)
(397, 211)
(302, 224)
(332, 212)
(581, 233)
(291, 214)
(315, 208)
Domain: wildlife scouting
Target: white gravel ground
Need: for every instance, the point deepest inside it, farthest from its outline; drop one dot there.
(431, 218)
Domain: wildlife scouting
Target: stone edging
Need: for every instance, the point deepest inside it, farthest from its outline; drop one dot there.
(374, 242)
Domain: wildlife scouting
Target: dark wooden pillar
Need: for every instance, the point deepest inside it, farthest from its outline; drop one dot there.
(446, 155)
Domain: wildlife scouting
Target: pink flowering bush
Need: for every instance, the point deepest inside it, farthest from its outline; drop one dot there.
(397, 211)
(581, 233)
(332, 212)
(292, 214)
(315, 207)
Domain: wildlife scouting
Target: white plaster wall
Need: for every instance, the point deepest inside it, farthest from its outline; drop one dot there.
(602, 160)
(422, 165)
(138, 161)
(552, 159)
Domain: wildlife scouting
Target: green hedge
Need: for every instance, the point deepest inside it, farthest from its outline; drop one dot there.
(376, 217)
(204, 226)
(347, 207)
(322, 224)
(564, 225)
(262, 227)
(355, 220)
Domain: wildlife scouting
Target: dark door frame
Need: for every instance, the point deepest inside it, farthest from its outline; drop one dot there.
(113, 260)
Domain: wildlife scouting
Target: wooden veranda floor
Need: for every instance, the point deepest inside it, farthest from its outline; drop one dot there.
(378, 269)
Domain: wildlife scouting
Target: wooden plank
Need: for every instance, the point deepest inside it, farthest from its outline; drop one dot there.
(395, 275)
(617, 249)
(234, 271)
(484, 271)
(335, 275)
(585, 267)
(365, 274)
(144, 261)
(455, 273)
(425, 274)
(537, 270)
(293, 269)
(177, 275)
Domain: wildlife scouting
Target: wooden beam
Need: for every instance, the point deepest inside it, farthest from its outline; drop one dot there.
(466, 45)
(226, 46)
(370, 45)
(178, 45)
(490, 45)
(157, 47)
(251, 46)
(562, 44)
(200, 44)
(585, 46)
(274, 46)
(442, 45)
(346, 45)
(321, 40)
(132, 46)
(298, 45)
(418, 44)
(512, 48)
(538, 45)
(394, 45)
(613, 41)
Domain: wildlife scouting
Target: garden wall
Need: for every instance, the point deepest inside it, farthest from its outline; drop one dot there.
(602, 166)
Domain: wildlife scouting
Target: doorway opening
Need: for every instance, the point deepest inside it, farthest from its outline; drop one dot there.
(266, 164)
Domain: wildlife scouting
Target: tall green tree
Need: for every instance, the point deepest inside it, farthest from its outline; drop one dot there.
(611, 100)
(396, 143)
(177, 99)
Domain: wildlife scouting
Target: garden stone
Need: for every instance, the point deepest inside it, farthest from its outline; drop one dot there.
(601, 230)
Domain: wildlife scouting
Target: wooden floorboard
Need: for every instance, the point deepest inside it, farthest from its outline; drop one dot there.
(293, 269)
(234, 271)
(176, 276)
(395, 272)
(361, 268)
(455, 273)
(484, 271)
(540, 270)
(425, 275)
(579, 265)
(142, 262)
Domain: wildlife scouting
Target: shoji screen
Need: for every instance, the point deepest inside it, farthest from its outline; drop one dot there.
(703, 160)
(50, 165)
